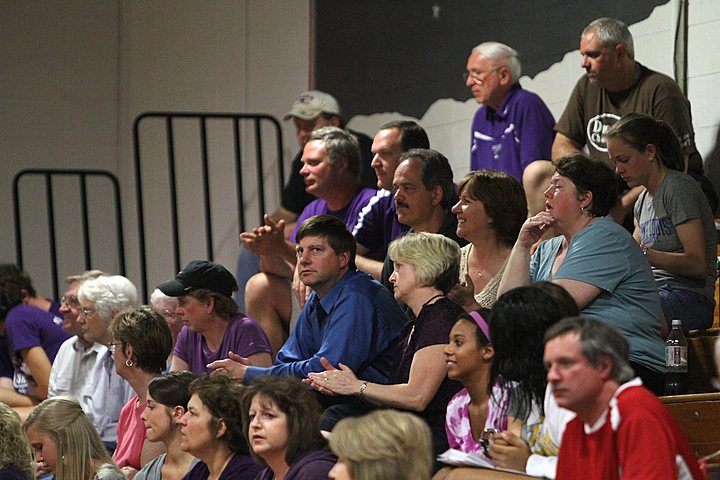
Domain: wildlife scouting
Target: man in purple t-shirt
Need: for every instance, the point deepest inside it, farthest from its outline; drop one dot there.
(32, 335)
(513, 128)
(331, 171)
(377, 224)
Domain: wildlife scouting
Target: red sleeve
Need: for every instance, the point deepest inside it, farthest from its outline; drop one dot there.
(650, 441)
(646, 447)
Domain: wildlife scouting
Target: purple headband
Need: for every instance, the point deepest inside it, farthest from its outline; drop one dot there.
(482, 324)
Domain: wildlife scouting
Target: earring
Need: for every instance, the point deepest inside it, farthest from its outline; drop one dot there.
(129, 363)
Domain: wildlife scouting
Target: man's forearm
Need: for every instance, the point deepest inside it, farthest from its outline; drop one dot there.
(517, 271)
(373, 267)
(563, 146)
(281, 265)
(275, 266)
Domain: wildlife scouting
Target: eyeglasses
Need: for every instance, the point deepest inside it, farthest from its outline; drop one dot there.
(86, 312)
(71, 302)
(111, 346)
(478, 77)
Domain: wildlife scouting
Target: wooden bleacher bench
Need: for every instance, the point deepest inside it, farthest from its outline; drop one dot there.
(698, 413)
(701, 362)
(699, 417)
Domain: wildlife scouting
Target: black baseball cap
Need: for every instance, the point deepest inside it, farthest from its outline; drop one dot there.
(200, 274)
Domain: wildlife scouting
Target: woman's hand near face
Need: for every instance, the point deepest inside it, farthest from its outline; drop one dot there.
(533, 229)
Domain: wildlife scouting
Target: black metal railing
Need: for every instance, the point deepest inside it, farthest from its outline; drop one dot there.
(168, 119)
(82, 175)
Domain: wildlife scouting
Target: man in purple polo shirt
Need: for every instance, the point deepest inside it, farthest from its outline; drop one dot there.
(331, 172)
(513, 128)
(378, 225)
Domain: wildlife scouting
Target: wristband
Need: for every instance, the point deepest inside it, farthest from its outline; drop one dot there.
(362, 388)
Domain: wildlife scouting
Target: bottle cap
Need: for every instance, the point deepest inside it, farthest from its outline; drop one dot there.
(676, 322)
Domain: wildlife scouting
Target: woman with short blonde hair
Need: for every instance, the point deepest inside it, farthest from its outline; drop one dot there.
(425, 269)
(380, 445)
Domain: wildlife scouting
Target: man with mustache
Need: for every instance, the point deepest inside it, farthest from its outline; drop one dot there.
(377, 225)
(621, 429)
(424, 194)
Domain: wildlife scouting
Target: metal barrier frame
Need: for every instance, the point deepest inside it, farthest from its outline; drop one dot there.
(82, 175)
(236, 118)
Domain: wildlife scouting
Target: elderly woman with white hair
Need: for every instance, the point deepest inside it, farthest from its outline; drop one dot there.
(165, 306)
(425, 269)
(100, 300)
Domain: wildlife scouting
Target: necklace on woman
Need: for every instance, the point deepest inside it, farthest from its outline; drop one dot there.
(430, 300)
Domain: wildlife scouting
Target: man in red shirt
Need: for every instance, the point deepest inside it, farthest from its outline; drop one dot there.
(621, 430)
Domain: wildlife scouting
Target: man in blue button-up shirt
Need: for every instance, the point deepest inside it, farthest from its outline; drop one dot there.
(349, 317)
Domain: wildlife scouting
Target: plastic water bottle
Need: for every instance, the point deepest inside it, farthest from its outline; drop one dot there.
(676, 361)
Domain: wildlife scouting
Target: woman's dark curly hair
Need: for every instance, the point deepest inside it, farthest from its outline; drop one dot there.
(292, 398)
(221, 395)
(518, 321)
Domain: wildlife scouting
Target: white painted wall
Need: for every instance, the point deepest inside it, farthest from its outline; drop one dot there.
(76, 74)
(58, 108)
(220, 56)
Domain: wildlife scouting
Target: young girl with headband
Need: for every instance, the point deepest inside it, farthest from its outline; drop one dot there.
(477, 407)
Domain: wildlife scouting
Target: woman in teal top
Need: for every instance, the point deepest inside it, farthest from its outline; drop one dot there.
(594, 259)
